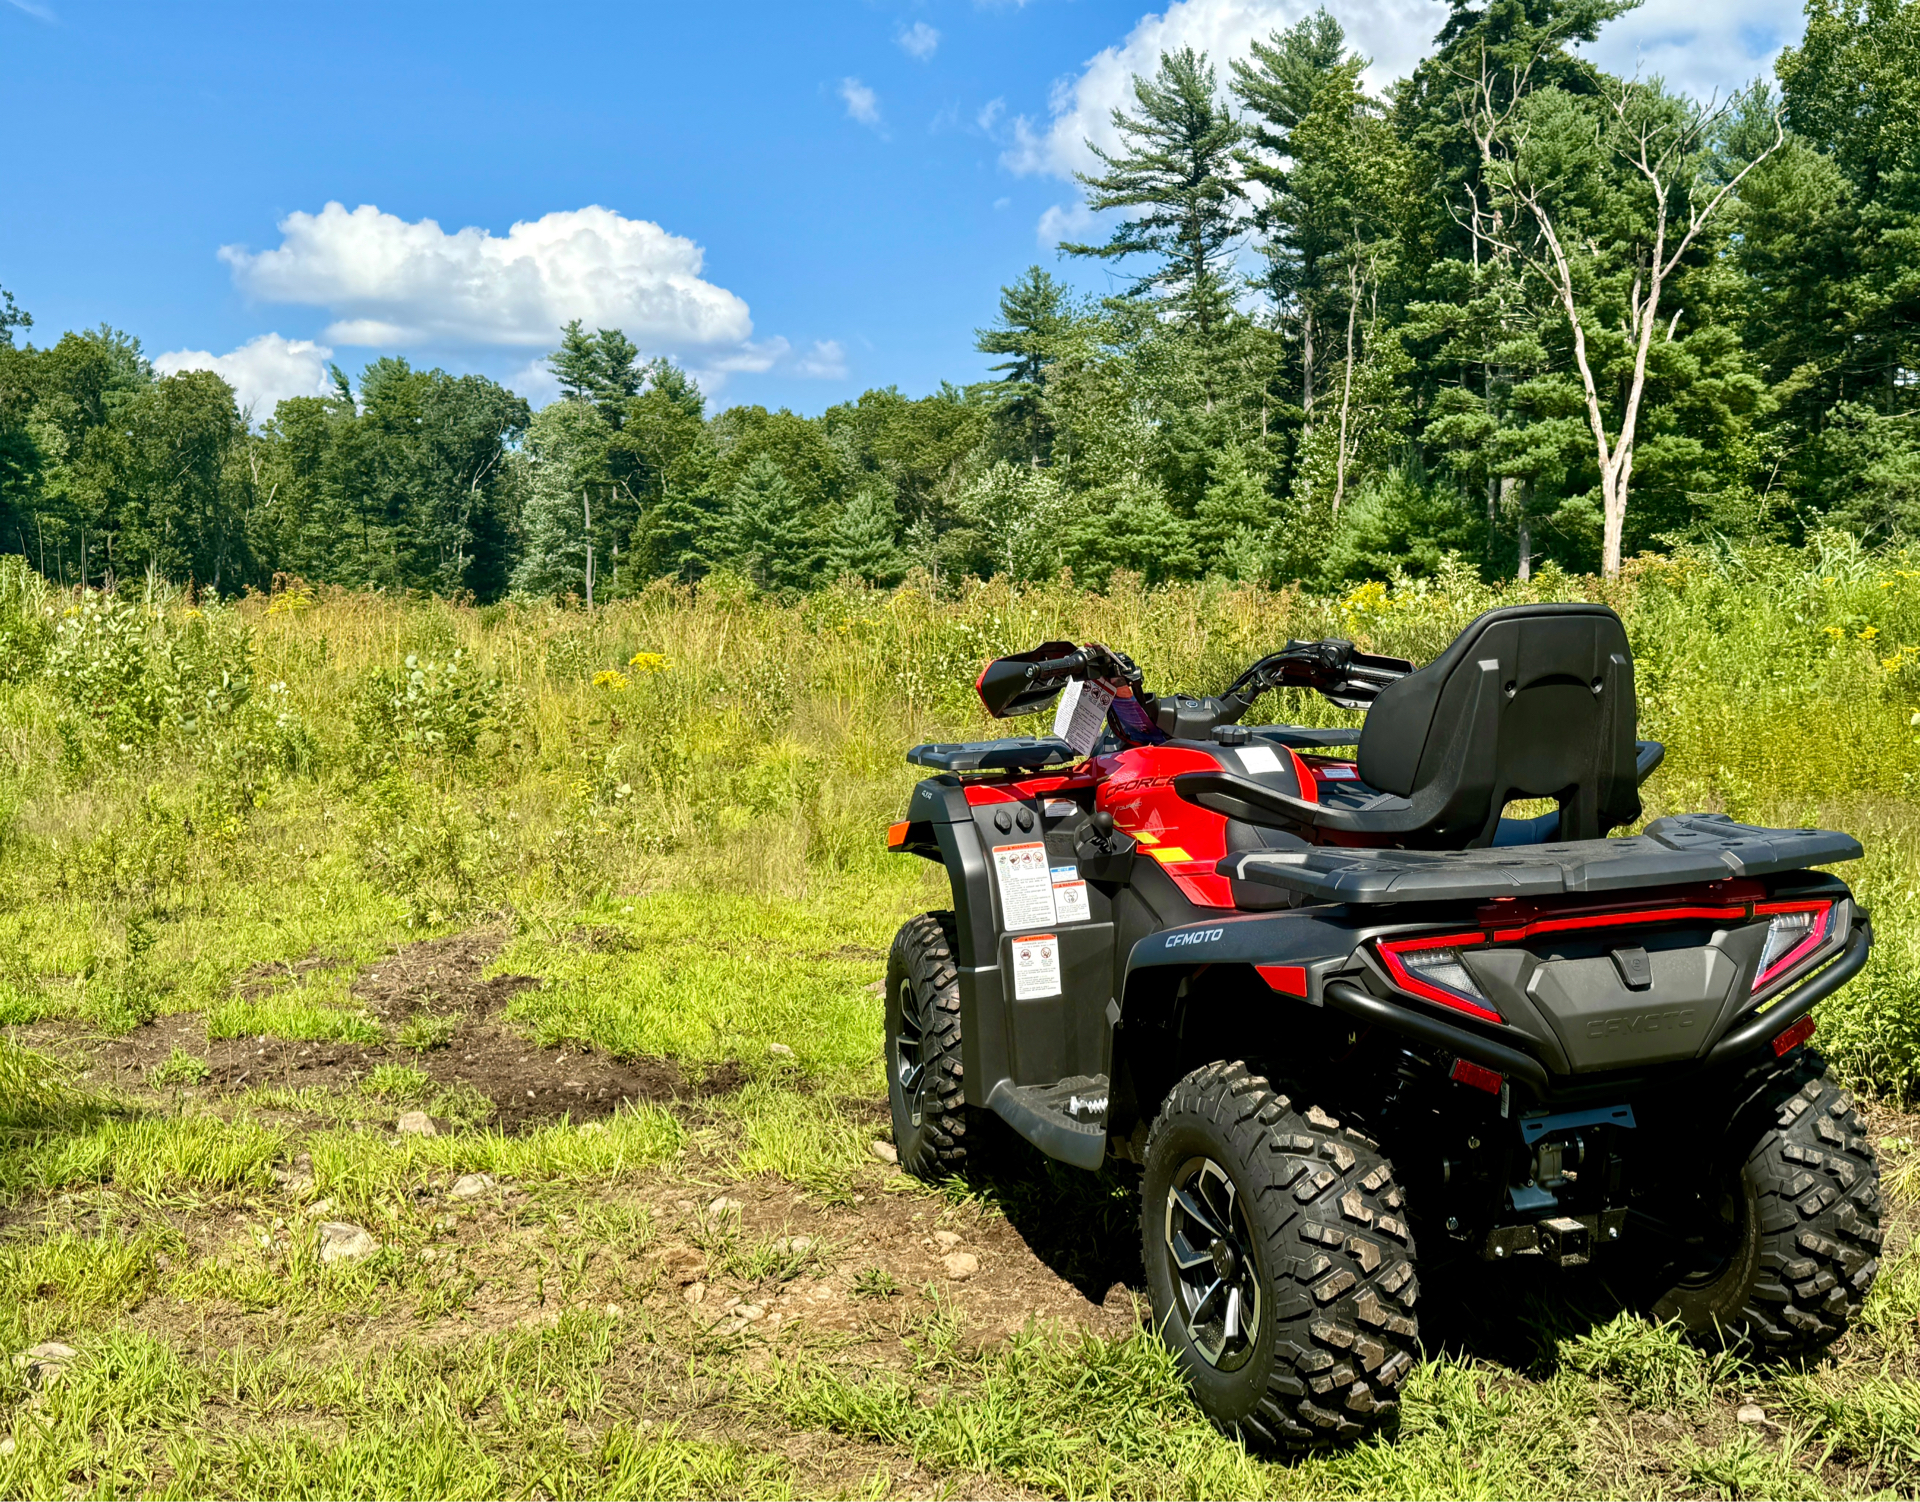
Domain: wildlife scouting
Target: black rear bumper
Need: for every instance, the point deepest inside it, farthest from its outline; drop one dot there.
(1748, 1034)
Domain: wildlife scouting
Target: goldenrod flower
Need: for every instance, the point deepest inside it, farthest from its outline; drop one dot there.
(611, 678)
(648, 662)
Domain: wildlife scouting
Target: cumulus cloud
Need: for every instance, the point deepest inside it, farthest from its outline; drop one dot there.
(825, 360)
(1394, 33)
(862, 103)
(262, 371)
(1701, 46)
(1063, 222)
(919, 40)
(390, 282)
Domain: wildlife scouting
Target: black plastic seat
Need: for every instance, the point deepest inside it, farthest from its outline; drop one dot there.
(1530, 701)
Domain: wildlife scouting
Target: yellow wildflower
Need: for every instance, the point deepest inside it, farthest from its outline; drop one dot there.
(611, 678)
(648, 662)
(1836, 632)
(1869, 633)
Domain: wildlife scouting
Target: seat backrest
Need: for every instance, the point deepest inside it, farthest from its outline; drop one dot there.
(1532, 701)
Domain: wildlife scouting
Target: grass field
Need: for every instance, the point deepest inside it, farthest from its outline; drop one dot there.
(602, 900)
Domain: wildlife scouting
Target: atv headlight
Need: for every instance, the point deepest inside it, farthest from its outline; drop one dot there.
(1433, 970)
(1794, 931)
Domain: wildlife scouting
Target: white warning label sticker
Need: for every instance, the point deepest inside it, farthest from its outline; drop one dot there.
(1026, 892)
(1069, 896)
(1259, 759)
(1036, 967)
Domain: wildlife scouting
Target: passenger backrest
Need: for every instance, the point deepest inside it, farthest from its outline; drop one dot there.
(1533, 701)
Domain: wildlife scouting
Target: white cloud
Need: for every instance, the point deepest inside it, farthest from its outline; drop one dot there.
(390, 282)
(262, 371)
(825, 361)
(38, 12)
(1701, 46)
(1697, 45)
(751, 358)
(919, 40)
(1394, 33)
(1063, 222)
(862, 103)
(990, 114)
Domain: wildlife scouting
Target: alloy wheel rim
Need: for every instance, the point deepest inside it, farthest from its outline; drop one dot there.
(909, 1050)
(1216, 1276)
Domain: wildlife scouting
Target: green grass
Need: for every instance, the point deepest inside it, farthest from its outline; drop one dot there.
(692, 868)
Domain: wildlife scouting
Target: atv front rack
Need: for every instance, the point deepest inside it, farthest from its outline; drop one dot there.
(1681, 850)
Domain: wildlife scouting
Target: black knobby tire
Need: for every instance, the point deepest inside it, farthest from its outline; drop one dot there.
(924, 1072)
(1802, 1221)
(1333, 1335)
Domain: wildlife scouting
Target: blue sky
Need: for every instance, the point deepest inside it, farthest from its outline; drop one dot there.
(796, 201)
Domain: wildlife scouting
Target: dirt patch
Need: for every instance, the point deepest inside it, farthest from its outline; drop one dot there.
(441, 977)
(864, 1265)
(479, 1049)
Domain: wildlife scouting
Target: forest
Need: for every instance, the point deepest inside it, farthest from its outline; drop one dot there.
(1516, 310)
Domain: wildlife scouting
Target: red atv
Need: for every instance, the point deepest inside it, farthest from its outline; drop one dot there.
(1347, 1016)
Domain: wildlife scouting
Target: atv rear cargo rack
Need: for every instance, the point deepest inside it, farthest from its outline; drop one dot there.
(1680, 850)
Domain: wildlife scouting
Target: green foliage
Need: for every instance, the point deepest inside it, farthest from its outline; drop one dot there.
(424, 709)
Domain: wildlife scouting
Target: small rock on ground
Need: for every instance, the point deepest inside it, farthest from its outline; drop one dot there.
(886, 1152)
(1751, 1413)
(470, 1186)
(44, 1362)
(695, 1293)
(416, 1124)
(721, 1205)
(792, 1246)
(342, 1241)
(960, 1264)
(946, 1240)
(779, 1050)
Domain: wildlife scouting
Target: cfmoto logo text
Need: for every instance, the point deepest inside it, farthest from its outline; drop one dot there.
(1195, 936)
(1641, 1022)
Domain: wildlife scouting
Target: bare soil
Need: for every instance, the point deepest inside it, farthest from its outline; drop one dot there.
(442, 978)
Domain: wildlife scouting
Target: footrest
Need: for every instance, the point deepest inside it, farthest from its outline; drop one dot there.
(1065, 1120)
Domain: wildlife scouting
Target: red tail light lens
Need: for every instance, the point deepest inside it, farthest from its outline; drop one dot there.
(1433, 970)
(1794, 931)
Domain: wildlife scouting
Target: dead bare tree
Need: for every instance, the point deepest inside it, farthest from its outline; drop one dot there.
(1651, 143)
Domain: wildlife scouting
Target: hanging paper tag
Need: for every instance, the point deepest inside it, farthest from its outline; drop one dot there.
(1082, 712)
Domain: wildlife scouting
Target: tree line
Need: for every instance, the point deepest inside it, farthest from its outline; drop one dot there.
(1516, 310)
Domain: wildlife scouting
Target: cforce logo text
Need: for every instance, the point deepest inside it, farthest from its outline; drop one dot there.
(1640, 1022)
(1195, 936)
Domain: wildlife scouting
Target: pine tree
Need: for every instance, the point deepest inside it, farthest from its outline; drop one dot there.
(864, 542)
(1177, 176)
(768, 535)
(1035, 319)
(560, 553)
(599, 368)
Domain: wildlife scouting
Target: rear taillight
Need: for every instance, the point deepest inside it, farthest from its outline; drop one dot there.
(1433, 970)
(1795, 930)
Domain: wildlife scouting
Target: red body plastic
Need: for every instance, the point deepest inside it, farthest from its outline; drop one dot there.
(1136, 787)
